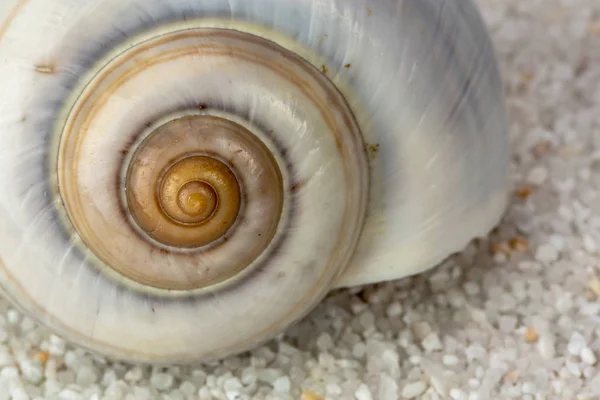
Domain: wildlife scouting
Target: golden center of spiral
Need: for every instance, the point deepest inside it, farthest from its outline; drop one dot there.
(197, 193)
(200, 188)
(197, 200)
(201, 183)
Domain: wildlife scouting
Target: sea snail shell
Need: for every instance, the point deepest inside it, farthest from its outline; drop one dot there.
(182, 180)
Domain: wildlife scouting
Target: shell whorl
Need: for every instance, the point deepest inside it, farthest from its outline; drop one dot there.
(196, 168)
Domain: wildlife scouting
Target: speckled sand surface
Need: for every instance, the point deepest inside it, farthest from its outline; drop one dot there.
(515, 317)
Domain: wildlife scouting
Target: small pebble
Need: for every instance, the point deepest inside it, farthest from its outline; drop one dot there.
(537, 176)
(394, 310)
(19, 394)
(546, 253)
(528, 387)
(86, 376)
(13, 317)
(187, 388)
(450, 360)
(282, 384)
(432, 343)
(324, 342)
(32, 371)
(161, 381)
(204, 394)
(42, 357)
(414, 389)
(576, 344)
(134, 375)
(308, 395)
(68, 394)
(457, 394)
(573, 368)
(362, 393)
(531, 336)
(587, 356)
(546, 346)
(333, 389)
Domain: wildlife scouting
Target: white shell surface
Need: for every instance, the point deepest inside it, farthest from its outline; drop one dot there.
(419, 75)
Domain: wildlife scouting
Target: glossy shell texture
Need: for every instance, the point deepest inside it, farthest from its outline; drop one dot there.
(182, 180)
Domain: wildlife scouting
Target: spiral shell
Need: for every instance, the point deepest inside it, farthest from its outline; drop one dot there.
(184, 180)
